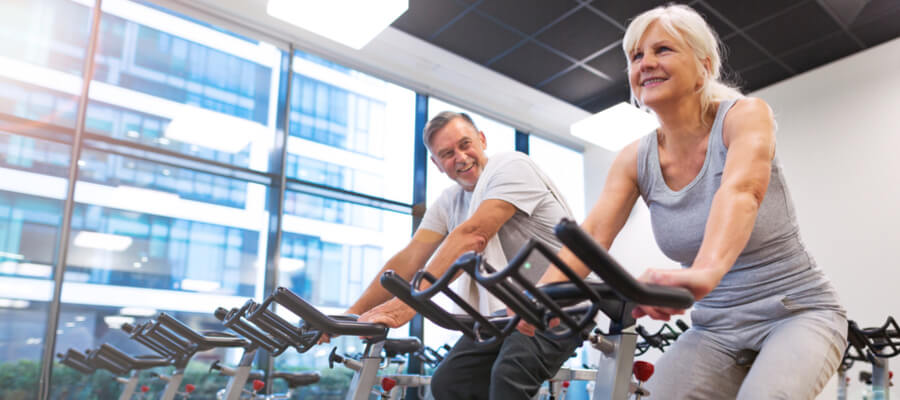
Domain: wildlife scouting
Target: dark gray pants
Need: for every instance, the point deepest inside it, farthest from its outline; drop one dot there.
(514, 369)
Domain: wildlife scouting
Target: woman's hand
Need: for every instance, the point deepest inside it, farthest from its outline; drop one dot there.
(698, 281)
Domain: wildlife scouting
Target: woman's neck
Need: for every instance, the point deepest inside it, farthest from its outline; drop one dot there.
(682, 124)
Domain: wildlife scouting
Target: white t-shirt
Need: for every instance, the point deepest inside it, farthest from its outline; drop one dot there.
(517, 182)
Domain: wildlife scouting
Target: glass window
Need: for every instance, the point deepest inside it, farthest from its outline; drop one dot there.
(170, 82)
(565, 167)
(350, 131)
(499, 138)
(42, 50)
(32, 196)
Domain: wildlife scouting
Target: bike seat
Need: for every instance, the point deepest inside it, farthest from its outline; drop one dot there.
(394, 346)
(296, 379)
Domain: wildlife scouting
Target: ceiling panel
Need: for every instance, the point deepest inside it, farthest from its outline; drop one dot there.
(554, 45)
(476, 38)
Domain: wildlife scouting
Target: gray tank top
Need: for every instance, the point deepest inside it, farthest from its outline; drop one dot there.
(774, 262)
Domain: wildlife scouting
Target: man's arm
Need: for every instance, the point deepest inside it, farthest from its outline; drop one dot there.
(471, 235)
(405, 263)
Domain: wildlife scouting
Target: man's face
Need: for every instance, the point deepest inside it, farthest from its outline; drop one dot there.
(458, 151)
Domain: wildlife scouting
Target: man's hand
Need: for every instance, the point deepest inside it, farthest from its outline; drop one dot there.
(393, 313)
(529, 329)
(698, 281)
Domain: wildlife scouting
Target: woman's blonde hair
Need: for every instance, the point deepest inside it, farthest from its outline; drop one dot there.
(683, 22)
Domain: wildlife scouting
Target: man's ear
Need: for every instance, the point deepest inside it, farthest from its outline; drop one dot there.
(483, 139)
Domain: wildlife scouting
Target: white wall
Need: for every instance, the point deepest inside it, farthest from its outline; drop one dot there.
(838, 137)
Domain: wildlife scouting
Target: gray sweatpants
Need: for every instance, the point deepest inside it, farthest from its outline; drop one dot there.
(800, 344)
(515, 369)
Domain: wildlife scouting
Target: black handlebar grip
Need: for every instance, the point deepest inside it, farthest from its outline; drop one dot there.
(613, 274)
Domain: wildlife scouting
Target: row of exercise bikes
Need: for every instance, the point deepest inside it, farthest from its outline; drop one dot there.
(576, 304)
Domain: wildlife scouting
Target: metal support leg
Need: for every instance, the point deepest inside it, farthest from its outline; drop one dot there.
(881, 380)
(364, 379)
(614, 368)
(130, 386)
(842, 384)
(174, 382)
(236, 384)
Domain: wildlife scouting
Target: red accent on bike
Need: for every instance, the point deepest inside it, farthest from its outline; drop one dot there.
(387, 384)
(145, 388)
(189, 388)
(642, 370)
(565, 384)
(258, 384)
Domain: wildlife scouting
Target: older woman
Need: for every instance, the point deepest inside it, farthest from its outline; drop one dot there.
(719, 205)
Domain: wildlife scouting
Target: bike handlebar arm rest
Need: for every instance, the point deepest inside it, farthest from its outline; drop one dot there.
(202, 341)
(316, 320)
(600, 262)
(76, 360)
(95, 360)
(232, 320)
(472, 324)
(132, 363)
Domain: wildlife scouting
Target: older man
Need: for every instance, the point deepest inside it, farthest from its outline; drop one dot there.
(495, 207)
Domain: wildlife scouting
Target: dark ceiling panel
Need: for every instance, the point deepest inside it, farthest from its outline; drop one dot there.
(624, 11)
(792, 29)
(612, 63)
(476, 38)
(740, 53)
(879, 30)
(530, 64)
(761, 76)
(743, 13)
(828, 49)
(425, 17)
(527, 16)
(581, 34)
(576, 85)
(875, 9)
(773, 38)
(722, 29)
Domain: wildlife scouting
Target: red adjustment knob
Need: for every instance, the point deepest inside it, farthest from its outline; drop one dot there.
(145, 389)
(258, 384)
(565, 384)
(387, 384)
(642, 370)
(189, 388)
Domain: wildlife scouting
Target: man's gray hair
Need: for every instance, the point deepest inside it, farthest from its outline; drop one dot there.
(440, 121)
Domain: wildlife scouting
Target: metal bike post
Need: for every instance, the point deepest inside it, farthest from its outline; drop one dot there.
(364, 379)
(130, 386)
(614, 367)
(881, 381)
(174, 382)
(235, 386)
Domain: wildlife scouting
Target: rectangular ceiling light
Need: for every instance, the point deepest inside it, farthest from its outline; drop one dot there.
(615, 127)
(353, 23)
(102, 241)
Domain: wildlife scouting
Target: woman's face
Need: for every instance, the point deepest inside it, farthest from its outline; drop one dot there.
(662, 68)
